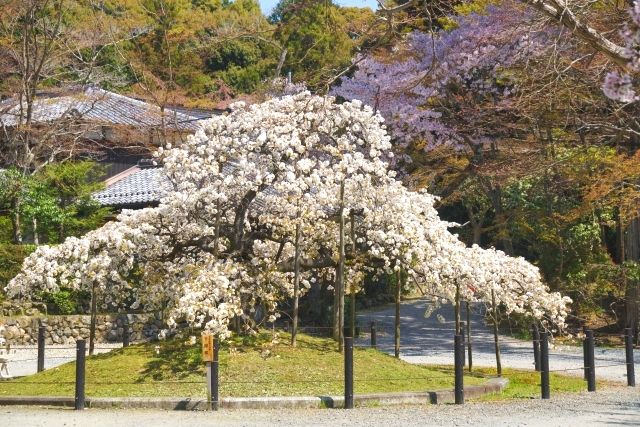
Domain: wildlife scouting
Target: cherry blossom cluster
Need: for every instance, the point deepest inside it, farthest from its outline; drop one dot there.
(472, 57)
(256, 187)
(620, 86)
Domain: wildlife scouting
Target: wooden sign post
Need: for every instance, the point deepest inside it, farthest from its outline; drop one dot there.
(210, 347)
(207, 348)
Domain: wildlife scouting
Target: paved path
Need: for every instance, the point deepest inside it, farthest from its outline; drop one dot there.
(23, 360)
(617, 406)
(426, 340)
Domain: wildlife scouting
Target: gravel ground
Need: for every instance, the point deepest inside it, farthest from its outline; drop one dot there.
(426, 340)
(617, 406)
(23, 360)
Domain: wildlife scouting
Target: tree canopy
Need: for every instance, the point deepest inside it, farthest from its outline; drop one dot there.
(220, 245)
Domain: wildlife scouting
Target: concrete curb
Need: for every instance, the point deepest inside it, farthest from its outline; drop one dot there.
(290, 402)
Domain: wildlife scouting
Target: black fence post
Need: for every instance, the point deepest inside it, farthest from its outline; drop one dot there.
(544, 365)
(585, 354)
(81, 347)
(286, 326)
(469, 345)
(374, 340)
(459, 369)
(41, 331)
(591, 361)
(535, 332)
(348, 372)
(628, 344)
(463, 327)
(215, 383)
(126, 335)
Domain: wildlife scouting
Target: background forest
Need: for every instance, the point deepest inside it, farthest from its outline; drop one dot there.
(495, 106)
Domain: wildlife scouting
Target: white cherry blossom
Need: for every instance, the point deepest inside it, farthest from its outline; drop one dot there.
(221, 244)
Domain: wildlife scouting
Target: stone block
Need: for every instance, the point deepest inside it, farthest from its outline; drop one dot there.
(11, 332)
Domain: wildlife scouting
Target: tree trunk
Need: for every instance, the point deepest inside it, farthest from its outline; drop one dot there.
(338, 303)
(94, 314)
(61, 232)
(495, 195)
(496, 337)
(564, 16)
(352, 307)
(630, 251)
(397, 320)
(296, 286)
(469, 346)
(456, 308)
(353, 287)
(216, 237)
(477, 222)
(476, 229)
(15, 223)
(283, 56)
(36, 239)
(61, 227)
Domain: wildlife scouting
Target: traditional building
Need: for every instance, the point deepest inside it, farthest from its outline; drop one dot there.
(113, 129)
(118, 131)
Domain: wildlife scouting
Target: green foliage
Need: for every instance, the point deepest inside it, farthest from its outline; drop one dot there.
(202, 49)
(71, 184)
(66, 301)
(466, 8)
(57, 196)
(195, 44)
(282, 11)
(242, 64)
(551, 225)
(11, 257)
(235, 53)
(315, 34)
(61, 302)
(6, 232)
(52, 204)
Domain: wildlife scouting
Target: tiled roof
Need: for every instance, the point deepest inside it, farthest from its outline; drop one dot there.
(100, 106)
(137, 188)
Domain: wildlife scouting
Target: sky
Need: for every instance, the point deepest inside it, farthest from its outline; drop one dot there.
(268, 5)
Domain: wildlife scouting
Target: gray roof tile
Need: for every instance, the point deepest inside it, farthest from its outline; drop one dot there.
(143, 187)
(101, 106)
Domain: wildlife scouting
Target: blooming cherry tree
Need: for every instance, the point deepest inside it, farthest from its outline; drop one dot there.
(620, 86)
(467, 61)
(259, 202)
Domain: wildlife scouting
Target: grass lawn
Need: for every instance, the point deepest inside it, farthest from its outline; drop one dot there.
(249, 366)
(259, 366)
(526, 384)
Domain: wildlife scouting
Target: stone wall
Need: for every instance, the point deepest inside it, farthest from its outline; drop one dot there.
(20, 330)
(8, 308)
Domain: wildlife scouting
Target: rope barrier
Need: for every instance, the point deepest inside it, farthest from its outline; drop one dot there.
(35, 382)
(609, 366)
(55, 348)
(222, 381)
(566, 369)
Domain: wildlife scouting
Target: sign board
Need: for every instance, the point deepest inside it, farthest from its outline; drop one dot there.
(207, 348)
